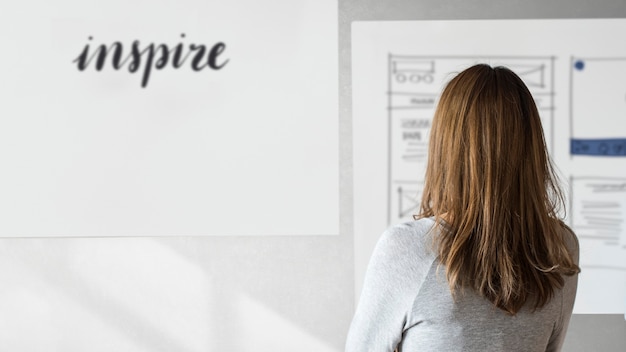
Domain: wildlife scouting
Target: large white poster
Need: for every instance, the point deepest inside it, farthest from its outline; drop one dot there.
(168, 118)
(576, 72)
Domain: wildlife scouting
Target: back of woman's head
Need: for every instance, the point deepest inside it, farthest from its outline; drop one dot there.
(491, 186)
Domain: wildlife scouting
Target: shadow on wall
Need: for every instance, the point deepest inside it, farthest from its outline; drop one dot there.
(172, 294)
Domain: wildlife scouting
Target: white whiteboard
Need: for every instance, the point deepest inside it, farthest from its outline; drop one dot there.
(250, 148)
(576, 71)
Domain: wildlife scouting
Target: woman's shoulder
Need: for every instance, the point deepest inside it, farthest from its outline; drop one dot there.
(411, 230)
(571, 241)
(409, 238)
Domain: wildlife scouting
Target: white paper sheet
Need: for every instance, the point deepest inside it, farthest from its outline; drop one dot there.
(576, 72)
(248, 149)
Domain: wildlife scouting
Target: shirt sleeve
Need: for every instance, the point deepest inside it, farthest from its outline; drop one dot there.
(391, 283)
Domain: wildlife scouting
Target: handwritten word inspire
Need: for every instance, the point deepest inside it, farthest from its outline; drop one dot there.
(157, 56)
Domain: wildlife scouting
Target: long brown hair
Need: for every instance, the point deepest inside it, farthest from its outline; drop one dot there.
(492, 189)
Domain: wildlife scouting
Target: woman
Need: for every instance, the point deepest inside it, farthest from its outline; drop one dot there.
(487, 265)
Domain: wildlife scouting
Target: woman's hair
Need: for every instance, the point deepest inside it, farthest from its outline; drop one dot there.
(493, 191)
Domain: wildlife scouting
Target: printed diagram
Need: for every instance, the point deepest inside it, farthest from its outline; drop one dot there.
(597, 117)
(598, 107)
(415, 83)
(409, 194)
(578, 83)
(598, 207)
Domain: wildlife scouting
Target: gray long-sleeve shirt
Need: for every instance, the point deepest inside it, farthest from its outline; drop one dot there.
(406, 304)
